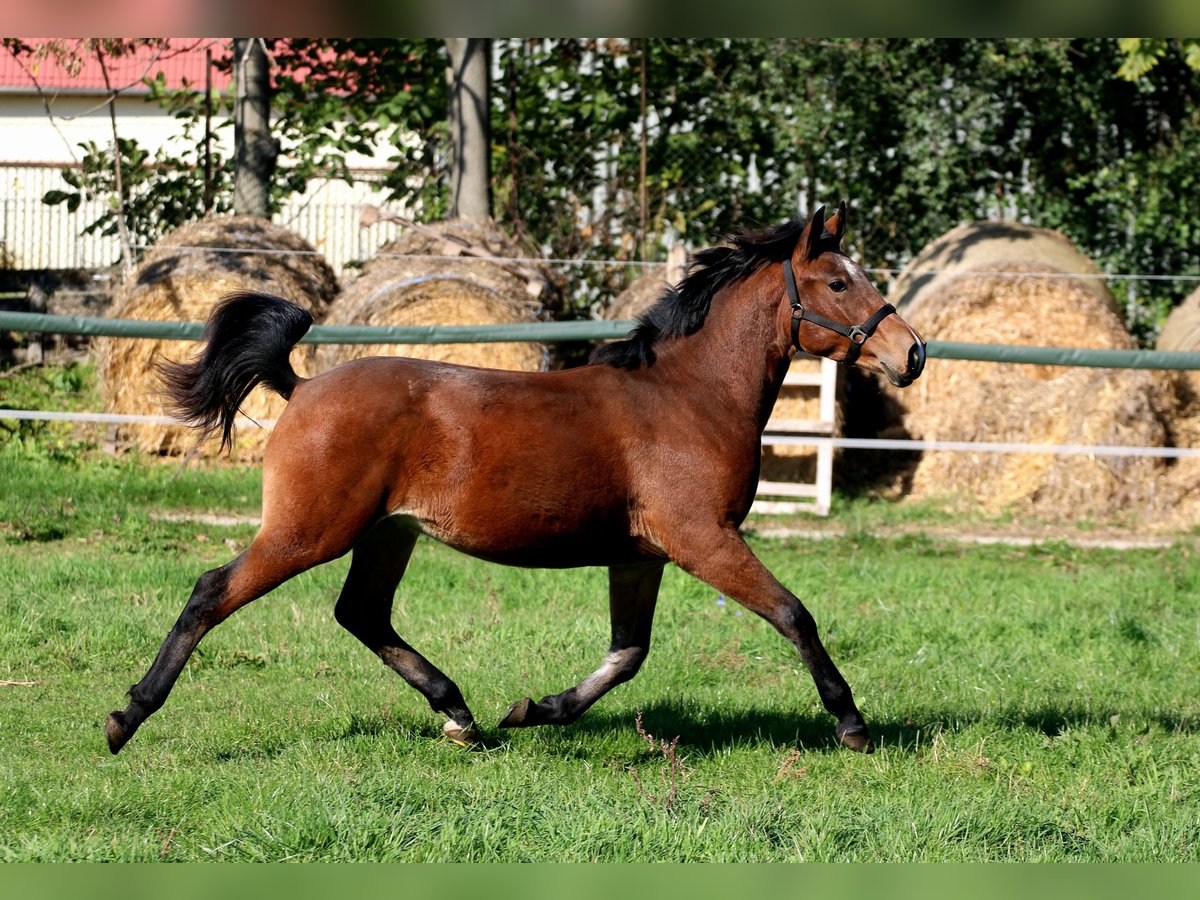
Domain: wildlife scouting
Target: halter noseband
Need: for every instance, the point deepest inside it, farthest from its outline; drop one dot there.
(857, 334)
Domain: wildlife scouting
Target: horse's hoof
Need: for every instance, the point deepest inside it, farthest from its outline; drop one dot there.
(464, 737)
(114, 730)
(859, 741)
(517, 714)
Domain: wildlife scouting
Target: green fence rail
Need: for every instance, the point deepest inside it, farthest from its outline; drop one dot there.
(552, 332)
(1065, 356)
(549, 332)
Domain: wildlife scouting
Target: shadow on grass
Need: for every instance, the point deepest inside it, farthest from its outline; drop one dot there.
(711, 733)
(714, 731)
(1055, 723)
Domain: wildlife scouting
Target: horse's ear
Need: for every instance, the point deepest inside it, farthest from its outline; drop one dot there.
(821, 235)
(813, 232)
(836, 226)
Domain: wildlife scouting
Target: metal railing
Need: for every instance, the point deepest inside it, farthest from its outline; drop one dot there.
(582, 330)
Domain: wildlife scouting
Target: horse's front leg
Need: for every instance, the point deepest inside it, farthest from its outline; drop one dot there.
(721, 558)
(632, 592)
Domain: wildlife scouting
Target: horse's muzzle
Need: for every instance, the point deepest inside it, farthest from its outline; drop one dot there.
(916, 360)
(916, 365)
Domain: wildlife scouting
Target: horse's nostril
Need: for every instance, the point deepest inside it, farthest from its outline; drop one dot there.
(916, 359)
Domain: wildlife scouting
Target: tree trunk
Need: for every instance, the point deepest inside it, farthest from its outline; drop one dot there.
(467, 80)
(122, 222)
(255, 151)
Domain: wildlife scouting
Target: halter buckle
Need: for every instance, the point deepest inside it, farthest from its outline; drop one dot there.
(858, 335)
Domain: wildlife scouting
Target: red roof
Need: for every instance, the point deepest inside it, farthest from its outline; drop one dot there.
(179, 60)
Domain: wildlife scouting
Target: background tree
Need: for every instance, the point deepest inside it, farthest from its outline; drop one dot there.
(108, 169)
(468, 104)
(255, 149)
(919, 135)
(614, 149)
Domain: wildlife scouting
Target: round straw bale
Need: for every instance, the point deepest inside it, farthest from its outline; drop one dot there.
(473, 250)
(992, 246)
(642, 294)
(1001, 402)
(649, 288)
(180, 279)
(424, 278)
(1181, 331)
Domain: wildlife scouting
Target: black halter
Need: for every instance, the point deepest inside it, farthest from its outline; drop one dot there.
(857, 334)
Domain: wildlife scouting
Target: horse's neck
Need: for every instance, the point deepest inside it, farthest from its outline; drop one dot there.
(736, 361)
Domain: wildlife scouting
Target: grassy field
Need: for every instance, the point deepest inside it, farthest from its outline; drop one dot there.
(1029, 703)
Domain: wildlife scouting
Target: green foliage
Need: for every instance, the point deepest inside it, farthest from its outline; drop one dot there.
(1143, 54)
(334, 96)
(71, 387)
(918, 134)
(161, 192)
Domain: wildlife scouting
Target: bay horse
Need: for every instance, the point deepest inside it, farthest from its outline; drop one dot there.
(647, 455)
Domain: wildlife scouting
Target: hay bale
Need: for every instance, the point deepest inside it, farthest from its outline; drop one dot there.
(646, 290)
(991, 246)
(995, 402)
(642, 294)
(180, 279)
(419, 279)
(1181, 331)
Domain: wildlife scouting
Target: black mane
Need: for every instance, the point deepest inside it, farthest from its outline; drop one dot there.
(682, 308)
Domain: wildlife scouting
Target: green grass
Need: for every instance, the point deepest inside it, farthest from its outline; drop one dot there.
(1030, 704)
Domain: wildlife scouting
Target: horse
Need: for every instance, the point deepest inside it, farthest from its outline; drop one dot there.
(648, 454)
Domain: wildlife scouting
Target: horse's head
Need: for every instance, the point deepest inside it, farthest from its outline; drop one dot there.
(836, 312)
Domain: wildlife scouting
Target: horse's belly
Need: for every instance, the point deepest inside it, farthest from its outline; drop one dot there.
(533, 544)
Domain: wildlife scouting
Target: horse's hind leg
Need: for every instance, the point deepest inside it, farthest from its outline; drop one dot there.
(217, 595)
(633, 592)
(364, 609)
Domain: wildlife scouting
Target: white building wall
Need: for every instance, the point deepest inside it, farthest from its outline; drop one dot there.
(35, 150)
(30, 135)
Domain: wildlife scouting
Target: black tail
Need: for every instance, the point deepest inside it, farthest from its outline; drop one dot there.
(247, 342)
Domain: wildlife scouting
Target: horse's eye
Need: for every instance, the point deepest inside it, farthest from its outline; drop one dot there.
(837, 285)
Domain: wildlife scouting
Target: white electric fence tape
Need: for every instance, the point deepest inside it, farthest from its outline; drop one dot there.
(840, 442)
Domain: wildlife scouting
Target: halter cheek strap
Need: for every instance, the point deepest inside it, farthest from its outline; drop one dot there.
(857, 334)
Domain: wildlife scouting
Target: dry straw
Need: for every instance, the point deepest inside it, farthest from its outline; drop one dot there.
(424, 278)
(1181, 331)
(649, 288)
(994, 291)
(996, 247)
(180, 279)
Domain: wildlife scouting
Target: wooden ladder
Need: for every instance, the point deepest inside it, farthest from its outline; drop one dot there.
(814, 497)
